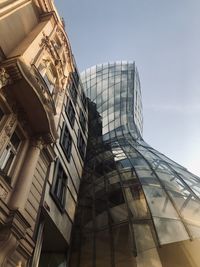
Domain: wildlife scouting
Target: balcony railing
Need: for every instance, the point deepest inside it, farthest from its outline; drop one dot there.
(46, 87)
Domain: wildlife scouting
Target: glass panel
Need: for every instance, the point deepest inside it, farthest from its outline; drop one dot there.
(190, 211)
(170, 230)
(159, 203)
(15, 140)
(143, 237)
(119, 213)
(194, 230)
(53, 260)
(9, 160)
(101, 220)
(136, 201)
(87, 242)
(123, 247)
(1, 114)
(103, 251)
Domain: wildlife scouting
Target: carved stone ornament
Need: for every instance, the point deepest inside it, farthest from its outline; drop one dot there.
(45, 41)
(38, 142)
(47, 44)
(7, 131)
(3, 192)
(9, 126)
(4, 77)
(65, 44)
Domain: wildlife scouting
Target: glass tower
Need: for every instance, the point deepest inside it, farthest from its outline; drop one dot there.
(136, 206)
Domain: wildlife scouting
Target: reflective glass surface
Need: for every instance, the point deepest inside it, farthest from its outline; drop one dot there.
(132, 198)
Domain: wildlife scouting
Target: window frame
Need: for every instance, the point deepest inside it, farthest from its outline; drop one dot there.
(60, 201)
(84, 101)
(62, 144)
(10, 151)
(73, 92)
(45, 73)
(69, 107)
(82, 121)
(2, 114)
(80, 143)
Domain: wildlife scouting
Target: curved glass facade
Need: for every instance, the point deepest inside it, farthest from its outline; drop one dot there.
(133, 198)
(115, 88)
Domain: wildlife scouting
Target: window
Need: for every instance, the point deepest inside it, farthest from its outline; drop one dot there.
(81, 144)
(66, 141)
(49, 83)
(73, 92)
(82, 121)
(84, 100)
(70, 112)
(1, 114)
(48, 73)
(59, 186)
(8, 156)
(76, 77)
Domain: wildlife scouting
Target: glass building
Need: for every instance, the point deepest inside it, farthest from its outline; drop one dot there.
(136, 206)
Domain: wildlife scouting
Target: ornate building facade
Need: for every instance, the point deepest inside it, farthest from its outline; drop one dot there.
(137, 208)
(43, 134)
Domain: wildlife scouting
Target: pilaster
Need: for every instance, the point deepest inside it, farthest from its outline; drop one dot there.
(24, 181)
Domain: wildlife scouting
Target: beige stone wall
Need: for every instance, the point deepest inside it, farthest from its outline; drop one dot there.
(15, 26)
(34, 197)
(28, 36)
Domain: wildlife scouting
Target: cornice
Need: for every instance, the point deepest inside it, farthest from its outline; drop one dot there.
(11, 6)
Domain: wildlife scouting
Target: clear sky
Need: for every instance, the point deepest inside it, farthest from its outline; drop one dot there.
(163, 37)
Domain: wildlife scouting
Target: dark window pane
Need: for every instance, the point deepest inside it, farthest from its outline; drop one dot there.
(84, 100)
(8, 155)
(81, 145)
(60, 184)
(73, 92)
(66, 142)
(1, 114)
(15, 141)
(70, 112)
(50, 86)
(82, 121)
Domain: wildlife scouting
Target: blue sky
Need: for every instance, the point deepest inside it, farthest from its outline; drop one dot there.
(163, 37)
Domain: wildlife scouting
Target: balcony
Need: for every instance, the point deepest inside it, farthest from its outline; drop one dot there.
(33, 96)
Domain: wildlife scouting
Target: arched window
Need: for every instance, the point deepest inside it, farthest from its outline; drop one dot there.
(48, 72)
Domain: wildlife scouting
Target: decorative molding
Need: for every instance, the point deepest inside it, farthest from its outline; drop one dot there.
(43, 141)
(49, 139)
(3, 193)
(46, 43)
(12, 232)
(46, 96)
(17, 224)
(38, 142)
(9, 127)
(4, 77)
(7, 130)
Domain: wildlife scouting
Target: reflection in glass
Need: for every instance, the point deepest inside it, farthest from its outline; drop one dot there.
(132, 198)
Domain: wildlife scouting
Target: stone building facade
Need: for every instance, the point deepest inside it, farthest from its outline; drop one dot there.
(43, 134)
